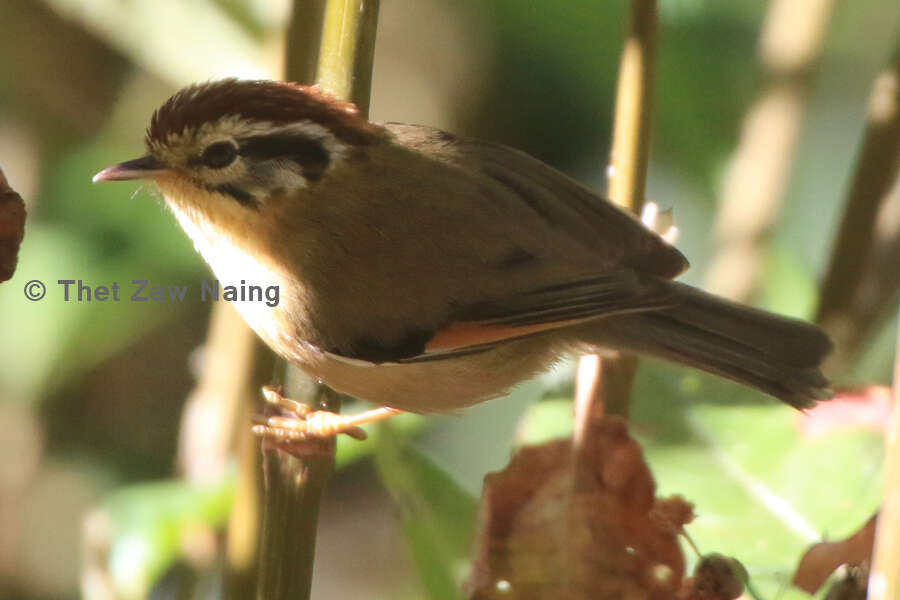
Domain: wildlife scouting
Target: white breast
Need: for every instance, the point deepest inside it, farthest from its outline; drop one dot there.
(235, 266)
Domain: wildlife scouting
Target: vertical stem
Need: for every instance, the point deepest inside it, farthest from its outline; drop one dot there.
(884, 578)
(790, 45)
(291, 509)
(214, 429)
(245, 518)
(348, 50)
(231, 369)
(634, 101)
(604, 385)
(304, 36)
(850, 292)
(294, 482)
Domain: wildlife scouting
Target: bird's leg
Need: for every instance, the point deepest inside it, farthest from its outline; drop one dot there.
(302, 422)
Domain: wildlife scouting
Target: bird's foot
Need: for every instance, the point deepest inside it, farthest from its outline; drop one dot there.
(300, 422)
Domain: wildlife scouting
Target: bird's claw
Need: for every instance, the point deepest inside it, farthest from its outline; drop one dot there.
(300, 422)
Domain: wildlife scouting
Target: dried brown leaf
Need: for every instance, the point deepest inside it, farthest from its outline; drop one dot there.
(823, 558)
(556, 527)
(12, 228)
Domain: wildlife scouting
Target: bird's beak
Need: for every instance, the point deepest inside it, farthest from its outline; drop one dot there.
(145, 167)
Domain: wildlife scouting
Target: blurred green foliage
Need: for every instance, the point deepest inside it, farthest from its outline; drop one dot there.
(436, 515)
(106, 382)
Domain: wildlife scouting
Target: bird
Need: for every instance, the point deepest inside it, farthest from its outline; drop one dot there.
(423, 271)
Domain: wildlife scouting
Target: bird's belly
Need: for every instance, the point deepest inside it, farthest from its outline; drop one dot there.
(437, 385)
(430, 386)
(259, 299)
(254, 288)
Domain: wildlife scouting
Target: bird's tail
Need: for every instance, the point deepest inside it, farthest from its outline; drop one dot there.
(777, 355)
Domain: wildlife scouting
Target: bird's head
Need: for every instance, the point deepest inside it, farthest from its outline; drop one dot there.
(235, 146)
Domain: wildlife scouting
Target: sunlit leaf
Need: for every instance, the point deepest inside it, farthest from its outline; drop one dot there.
(763, 491)
(436, 514)
(140, 531)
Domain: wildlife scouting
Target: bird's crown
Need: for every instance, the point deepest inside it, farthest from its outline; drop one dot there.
(256, 104)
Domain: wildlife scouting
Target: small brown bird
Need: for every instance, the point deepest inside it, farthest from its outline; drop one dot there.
(426, 272)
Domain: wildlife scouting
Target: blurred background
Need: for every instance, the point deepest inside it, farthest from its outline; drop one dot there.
(92, 395)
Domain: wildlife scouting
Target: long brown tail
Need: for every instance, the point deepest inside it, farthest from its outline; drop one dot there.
(778, 355)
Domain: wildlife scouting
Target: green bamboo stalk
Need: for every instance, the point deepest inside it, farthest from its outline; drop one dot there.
(605, 384)
(348, 50)
(304, 38)
(293, 490)
(634, 101)
(294, 482)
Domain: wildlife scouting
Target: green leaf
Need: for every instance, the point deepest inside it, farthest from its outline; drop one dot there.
(148, 523)
(763, 492)
(790, 286)
(545, 421)
(437, 514)
(404, 426)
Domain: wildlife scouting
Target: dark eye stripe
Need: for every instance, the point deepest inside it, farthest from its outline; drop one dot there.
(219, 155)
(242, 197)
(310, 154)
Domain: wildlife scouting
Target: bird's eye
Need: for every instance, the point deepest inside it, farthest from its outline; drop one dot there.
(219, 155)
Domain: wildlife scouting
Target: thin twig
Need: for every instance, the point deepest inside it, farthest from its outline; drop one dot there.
(610, 392)
(884, 578)
(294, 481)
(857, 284)
(790, 46)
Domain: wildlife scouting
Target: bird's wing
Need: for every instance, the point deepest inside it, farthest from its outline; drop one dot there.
(566, 206)
(485, 324)
(545, 253)
(547, 309)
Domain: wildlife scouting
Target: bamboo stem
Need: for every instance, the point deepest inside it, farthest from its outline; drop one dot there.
(294, 481)
(610, 393)
(634, 102)
(237, 363)
(348, 50)
(294, 484)
(304, 38)
(790, 46)
(856, 286)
